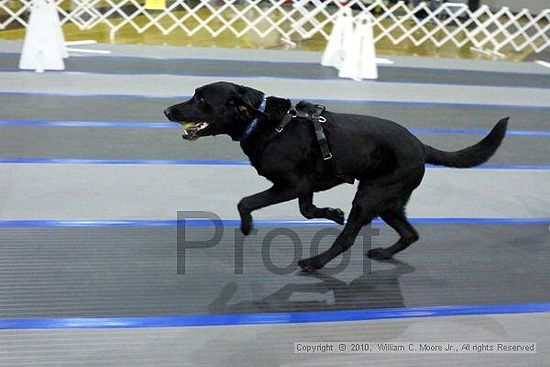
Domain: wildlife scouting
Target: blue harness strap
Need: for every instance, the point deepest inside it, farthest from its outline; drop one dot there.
(254, 124)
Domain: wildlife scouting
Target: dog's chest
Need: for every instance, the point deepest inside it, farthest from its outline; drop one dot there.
(293, 155)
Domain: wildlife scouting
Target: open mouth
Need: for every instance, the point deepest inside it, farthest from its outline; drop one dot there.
(192, 129)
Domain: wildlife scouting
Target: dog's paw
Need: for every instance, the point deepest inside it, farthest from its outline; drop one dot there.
(309, 265)
(379, 254)
(246, 227)
(336, 215)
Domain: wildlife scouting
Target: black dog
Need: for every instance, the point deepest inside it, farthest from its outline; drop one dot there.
(385, 157)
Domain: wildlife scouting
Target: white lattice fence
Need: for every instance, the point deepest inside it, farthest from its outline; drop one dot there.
(450, 23)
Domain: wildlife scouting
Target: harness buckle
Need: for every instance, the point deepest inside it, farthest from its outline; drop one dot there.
(327, 156)
(286, 119)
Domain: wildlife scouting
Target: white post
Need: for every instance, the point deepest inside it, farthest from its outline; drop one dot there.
(56, 27)
(360, 57)
(337, 42)
(43, 47)
(368, 68)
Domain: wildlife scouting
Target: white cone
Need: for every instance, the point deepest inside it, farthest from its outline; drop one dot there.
(43, 47)
(335, 48)
(347, 40)
(368, 68)
(56, 25)
(360, 56)
(350, 66)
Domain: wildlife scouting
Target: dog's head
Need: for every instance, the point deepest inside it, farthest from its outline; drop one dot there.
(217, 108)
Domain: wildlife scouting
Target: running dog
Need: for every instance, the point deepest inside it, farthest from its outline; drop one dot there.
(386, 159)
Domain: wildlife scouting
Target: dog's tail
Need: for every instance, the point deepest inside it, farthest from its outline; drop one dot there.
(473, 155)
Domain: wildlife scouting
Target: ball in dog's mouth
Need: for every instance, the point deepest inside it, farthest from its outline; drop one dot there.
(191, 129)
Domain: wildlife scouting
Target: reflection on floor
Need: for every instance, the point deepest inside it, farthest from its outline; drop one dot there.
(378, 289)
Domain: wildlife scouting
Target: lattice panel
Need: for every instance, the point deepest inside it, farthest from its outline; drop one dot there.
(450, 23)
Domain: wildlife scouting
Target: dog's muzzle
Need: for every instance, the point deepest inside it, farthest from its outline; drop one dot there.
(190, 130)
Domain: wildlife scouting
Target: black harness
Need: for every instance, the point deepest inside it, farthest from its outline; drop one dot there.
(318, 120)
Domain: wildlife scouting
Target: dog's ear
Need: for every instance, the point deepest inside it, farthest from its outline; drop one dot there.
(243, 110)
(244, 101)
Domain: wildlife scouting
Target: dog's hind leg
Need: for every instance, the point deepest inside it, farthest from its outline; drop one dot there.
(310, 211)
(365, 207)
(271, 196)
(396, 219)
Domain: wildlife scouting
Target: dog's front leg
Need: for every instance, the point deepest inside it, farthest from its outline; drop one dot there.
(271, 196)
(310, 211)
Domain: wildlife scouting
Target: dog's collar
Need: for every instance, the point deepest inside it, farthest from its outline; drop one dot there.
(254, 124)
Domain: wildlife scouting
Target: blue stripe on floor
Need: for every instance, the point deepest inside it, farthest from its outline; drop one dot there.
(119, 124)
(542, 71)
(171, 125)
(533, 133)
(270, 318)
(190, 162)
(290, 77)
(204, 222)
(315, 100)
(282, 76)
(199, 162)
